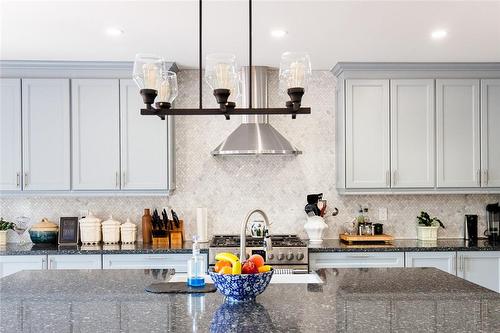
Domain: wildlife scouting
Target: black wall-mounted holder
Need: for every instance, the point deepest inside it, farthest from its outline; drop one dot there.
(295, 100)
(148, 97)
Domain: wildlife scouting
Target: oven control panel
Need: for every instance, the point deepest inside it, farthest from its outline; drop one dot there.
(277, 256)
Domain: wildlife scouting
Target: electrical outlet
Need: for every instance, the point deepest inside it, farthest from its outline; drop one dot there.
(382, 214)
(83, 212)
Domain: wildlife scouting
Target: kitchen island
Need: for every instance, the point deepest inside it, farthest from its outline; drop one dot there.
(347, 300)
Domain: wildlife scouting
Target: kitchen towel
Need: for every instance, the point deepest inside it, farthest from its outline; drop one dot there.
(202, 224)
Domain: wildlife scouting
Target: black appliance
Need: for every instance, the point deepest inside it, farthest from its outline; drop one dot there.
(470, 228)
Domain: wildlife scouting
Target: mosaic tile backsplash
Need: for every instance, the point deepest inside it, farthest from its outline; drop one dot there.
(231, 186)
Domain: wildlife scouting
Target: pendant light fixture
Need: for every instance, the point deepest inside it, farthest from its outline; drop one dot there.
(157, 83)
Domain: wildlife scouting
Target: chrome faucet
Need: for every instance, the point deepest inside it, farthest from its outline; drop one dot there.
(243, 235)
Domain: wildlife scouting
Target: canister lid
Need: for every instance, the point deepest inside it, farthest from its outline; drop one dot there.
(110, 222)
(90, 219)
(129, 225)
(45, 225)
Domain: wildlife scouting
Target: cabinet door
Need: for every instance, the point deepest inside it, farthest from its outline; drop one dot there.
(75, 261)
(490, 132)
(96, 134)
(10, 134)
(356, 260)
(482, 268)
(144, 144)
(367, 134)
(13, 264)
(412, 133)
(147, 261)
(46, 134)
(457, 114)
(444, 261)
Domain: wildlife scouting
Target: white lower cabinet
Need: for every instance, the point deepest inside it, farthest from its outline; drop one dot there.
(176, 261)
(356, 260)
(13, 264)
(444, 261)
(482, 268)
(75, 261)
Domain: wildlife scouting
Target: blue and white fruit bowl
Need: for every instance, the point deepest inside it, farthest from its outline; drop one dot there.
(241, 287)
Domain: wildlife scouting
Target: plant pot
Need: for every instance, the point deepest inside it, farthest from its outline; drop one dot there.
(427, 233)
(3, 237)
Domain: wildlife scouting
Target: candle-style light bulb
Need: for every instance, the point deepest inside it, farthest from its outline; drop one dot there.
(295, 70)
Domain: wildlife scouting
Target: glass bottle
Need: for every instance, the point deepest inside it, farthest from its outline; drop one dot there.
(196, 267)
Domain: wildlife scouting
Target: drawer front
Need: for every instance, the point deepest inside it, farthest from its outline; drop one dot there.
(356, 260)
(148, 261)
(75, 261)
(444, 261)
(13, 264)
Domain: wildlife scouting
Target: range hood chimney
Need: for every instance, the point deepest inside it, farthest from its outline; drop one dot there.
(255, 136)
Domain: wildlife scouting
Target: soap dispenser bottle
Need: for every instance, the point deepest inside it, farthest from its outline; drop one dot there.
(196, 267)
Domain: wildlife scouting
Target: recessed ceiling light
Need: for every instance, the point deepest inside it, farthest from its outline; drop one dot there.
(114, 32)
(439, 34)
(278, 33)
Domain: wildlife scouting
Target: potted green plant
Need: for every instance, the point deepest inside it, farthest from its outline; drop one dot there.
(427, 227)
(4, 227)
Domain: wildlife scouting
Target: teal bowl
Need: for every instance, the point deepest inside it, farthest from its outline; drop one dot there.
(43, 237)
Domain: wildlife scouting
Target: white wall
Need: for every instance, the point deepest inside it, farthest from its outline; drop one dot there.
(231, 186)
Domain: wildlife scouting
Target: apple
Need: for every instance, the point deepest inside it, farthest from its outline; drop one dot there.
(249, 268)
(257, 260)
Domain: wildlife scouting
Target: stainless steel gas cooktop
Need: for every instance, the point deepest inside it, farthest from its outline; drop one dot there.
(288, 251)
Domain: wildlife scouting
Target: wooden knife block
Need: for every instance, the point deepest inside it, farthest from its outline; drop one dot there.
(175, 240)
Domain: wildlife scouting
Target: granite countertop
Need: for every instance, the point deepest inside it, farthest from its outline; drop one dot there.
(348, 300)
(405, 245)
(328, 245)
(137, 248)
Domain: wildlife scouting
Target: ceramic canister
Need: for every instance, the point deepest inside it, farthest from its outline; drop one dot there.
(129, 232)
(315, 227)
(44, 232)
(90, 229)
(111, 231)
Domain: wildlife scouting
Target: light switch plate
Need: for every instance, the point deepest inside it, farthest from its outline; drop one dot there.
(382, 214)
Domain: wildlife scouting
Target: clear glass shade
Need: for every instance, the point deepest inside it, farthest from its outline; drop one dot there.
(295, 70)
(167, 90)
(221, 73)
(147, 71)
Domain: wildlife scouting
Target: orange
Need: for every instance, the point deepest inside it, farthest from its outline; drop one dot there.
(221, 264)
(226, 270)
(265, 268)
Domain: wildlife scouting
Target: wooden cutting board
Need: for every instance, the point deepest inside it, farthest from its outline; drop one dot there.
(366, 238)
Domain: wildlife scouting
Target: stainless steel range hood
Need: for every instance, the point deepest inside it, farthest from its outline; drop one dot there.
(255, 136)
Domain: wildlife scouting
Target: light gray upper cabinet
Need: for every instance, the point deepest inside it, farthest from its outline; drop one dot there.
(367, 134)
(144, 144)
(46, 134)
(490, 132)
(412, 133)
(10, 134)
(96, 133)
(458, 139)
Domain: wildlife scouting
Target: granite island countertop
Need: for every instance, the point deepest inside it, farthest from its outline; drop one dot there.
(348, 300)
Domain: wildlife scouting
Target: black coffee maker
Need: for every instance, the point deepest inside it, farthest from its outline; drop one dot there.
(470, 228)
(493, 222)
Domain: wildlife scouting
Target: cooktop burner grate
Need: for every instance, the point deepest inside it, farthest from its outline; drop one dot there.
(277, 241)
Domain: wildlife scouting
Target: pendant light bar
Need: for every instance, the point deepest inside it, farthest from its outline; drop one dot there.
(149, 76)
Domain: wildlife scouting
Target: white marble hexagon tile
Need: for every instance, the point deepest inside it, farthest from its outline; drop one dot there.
(231, 186)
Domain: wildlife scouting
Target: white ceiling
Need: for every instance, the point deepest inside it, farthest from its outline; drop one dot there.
(330, 31)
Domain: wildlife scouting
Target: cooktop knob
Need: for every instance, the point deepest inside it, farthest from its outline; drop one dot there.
(270, 256)
(300, 256)
(281, 256)
(289, 256)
